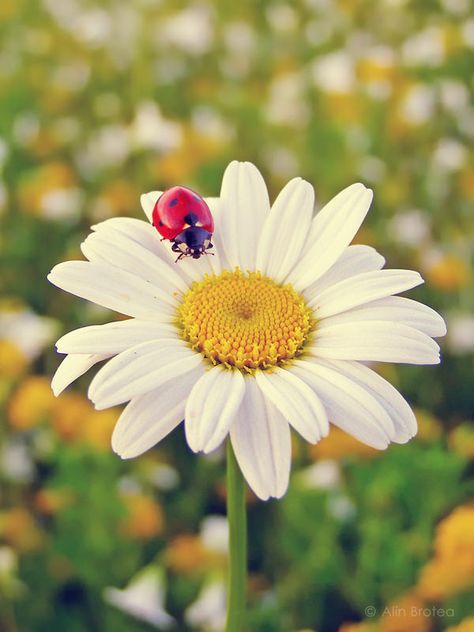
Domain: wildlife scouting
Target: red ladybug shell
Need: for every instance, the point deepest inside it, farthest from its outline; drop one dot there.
(177, 209)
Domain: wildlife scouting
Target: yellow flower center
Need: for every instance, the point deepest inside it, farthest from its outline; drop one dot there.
(245, 321)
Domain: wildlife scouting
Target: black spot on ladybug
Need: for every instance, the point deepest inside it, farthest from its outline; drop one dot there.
(160, 223)
(191, 219)
(173, 202)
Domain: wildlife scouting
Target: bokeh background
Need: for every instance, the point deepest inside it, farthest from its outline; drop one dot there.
(100, 101)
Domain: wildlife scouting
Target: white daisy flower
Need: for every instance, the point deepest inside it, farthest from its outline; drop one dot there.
(270, 333)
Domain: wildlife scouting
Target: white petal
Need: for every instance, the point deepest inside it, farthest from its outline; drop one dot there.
(396, 406)
(362, 288)
(217, 260)
(144, 234)
(148, 201)
(349, 406)
(72, 367)
(332, 230)
(354, 260)
(114, 289)
(141, 369)
(262, 444)
(136, 230)
(245, 205)
(148, 418)
(114, 337)
(298, 404)
(374, 340)
(115, 249)
(285, 230)
(211, 408)
(396, 309)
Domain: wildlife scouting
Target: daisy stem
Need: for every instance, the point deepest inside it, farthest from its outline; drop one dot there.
(237, 573)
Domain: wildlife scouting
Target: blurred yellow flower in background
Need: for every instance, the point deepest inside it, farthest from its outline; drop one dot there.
(429, 427)
(448, 272)
(97, 426)
(50, 501)
(441, 578)
(31, 403)
(68, 415)
(144, 517)
(455, 537)
(461, 440)
(13, 361)
(452, 568)
(467, 625)
(19, 529)
(406, 614)
(338, 445)
(187, 554)
(363, 626)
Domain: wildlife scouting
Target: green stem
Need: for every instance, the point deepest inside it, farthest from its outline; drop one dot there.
(236, 515)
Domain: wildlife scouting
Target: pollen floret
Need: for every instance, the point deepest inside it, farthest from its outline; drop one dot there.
(245, 320)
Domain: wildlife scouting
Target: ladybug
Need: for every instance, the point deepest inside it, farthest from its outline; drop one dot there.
(183, 217)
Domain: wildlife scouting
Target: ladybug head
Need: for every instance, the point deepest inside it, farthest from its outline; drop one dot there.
(192, 242)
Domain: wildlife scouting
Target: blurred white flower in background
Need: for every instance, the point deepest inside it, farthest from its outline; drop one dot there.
(456, 7)
(164, 476)
(191, 30)
(143, 598)
(62, 204)
(454, 95)
(372, 168)
(240, 40)
(334, 72)
(150, 130)
(108, 146)
(3, 198)
(450, 154)
(341, 507)
(93, 26)
(467, 33)
(426, 48)
(282, 18)
(282, 161)
(16, 461)
(215, 533)
(207, 121)
(325, 474)
(27, 331)
(410, 227)
(25, 128)
(417, 106)
(286, 104)
(460, 337)
(208, 612)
